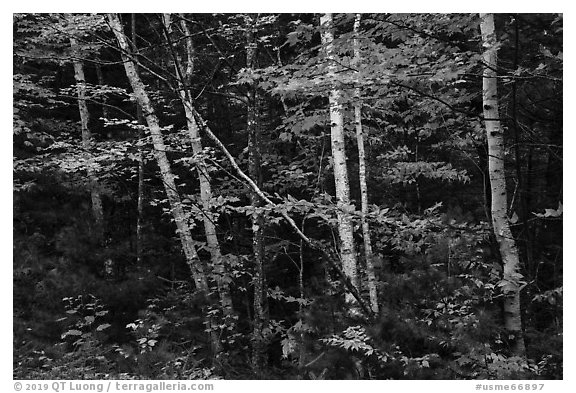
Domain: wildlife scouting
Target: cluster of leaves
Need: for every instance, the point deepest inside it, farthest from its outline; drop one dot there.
(82, 353)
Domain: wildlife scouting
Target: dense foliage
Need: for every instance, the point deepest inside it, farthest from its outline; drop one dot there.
(94, 300)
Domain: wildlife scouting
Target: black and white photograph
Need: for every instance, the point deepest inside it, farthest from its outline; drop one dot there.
(287, 196)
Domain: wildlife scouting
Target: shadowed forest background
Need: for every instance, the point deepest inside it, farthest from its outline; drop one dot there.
(287, 196)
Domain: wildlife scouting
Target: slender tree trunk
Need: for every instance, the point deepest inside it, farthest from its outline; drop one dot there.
(141, 162)
(184, 78)
(97, 209)
(345, 224)
(302, 346)
(216, 257)
(362, 176)
(508, 250)
(525, 236)
(190, 253)
(140, 206)
(100, 76)
(205, 186)
(254, 170)
(416, 184)
(531, 268)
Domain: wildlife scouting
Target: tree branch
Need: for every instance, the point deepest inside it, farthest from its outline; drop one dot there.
(314, 244)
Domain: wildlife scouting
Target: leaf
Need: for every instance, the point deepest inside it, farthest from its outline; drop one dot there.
(72, 332)
(292, 38)
(102, 327)
(514, 218)
(288, 347)
(551, 213)
(431, 209)
(349, 208)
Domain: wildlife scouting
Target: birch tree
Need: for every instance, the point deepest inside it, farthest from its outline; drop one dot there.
(369, 255)
(496, 155)
(192, 258)
(184, 71)
(97, 209)
(345, 224)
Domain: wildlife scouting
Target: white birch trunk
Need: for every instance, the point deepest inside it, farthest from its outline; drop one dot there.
(184, 233)
(496, 156)
(345, 224)
(206, 195)
(97, 209)
(216, 257)
(362, 176)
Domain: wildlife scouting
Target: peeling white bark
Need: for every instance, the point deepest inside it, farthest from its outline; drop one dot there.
(345, 224)
(496, 156)
(183, 229)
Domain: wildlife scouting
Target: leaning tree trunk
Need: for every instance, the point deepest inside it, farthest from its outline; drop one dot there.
(192, 258)
(362, 175)
(254, 170)
(345, 224)
(184, 77)
(97, 209)
(496, 155)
